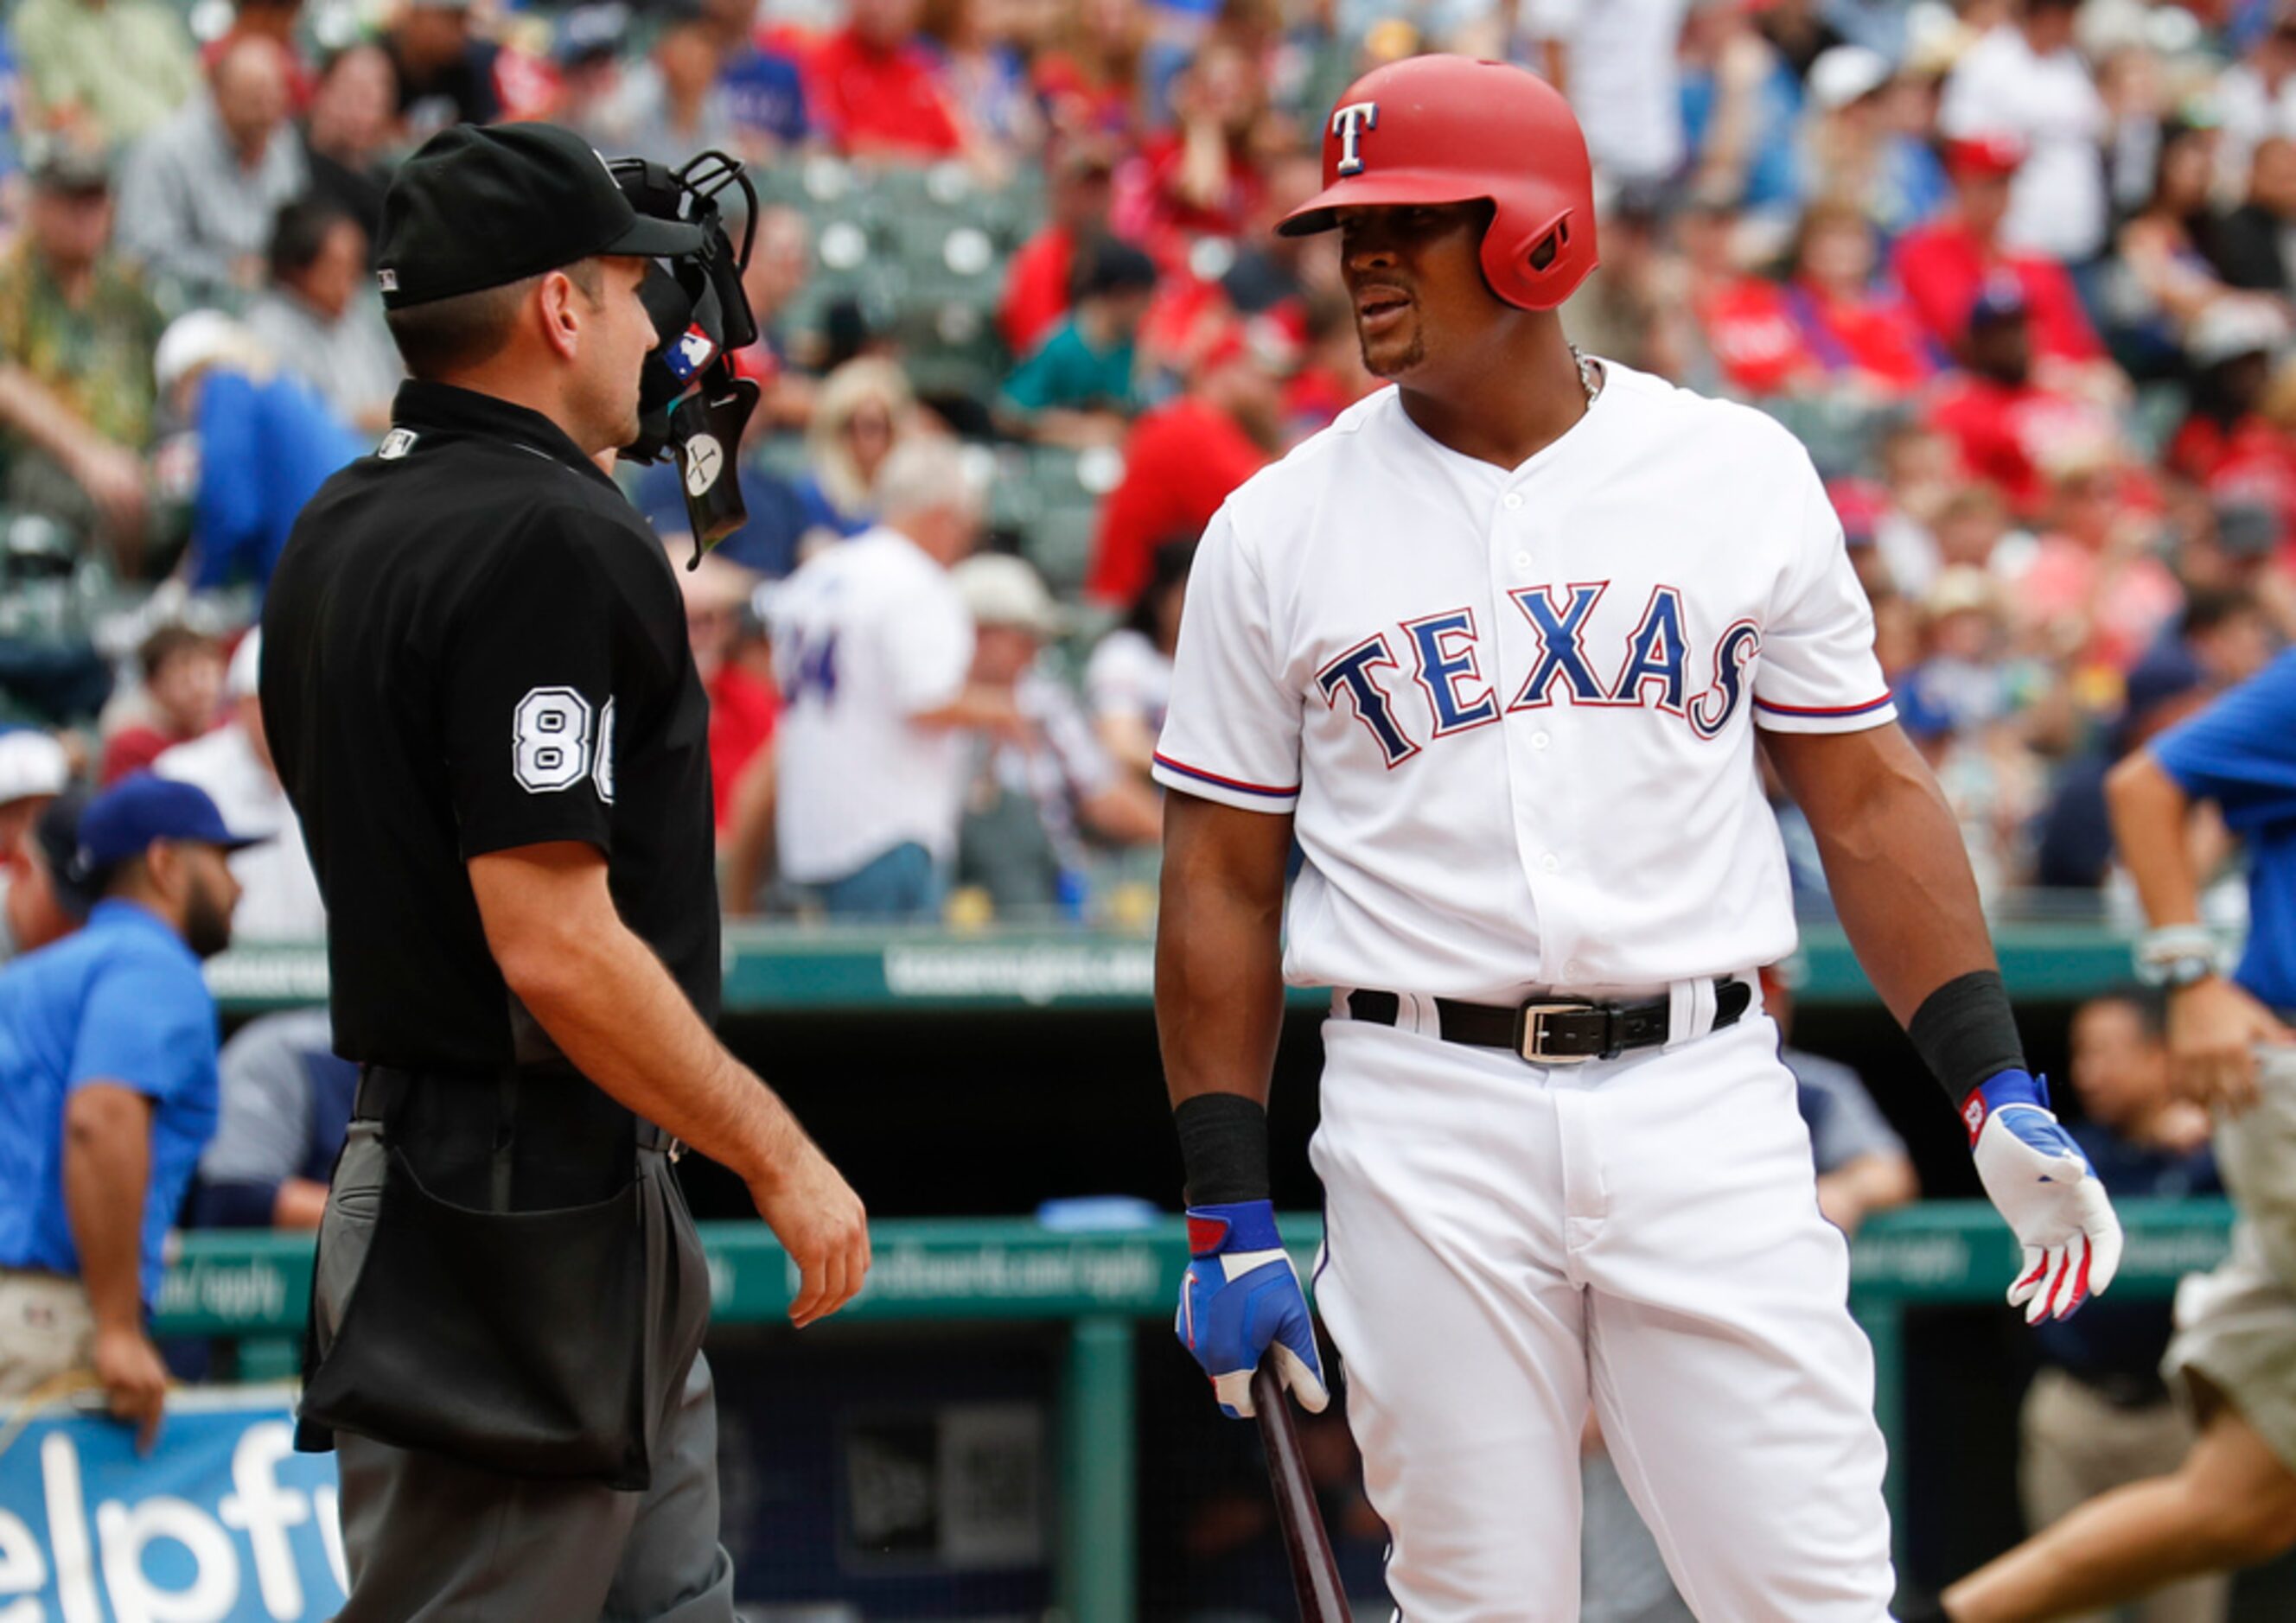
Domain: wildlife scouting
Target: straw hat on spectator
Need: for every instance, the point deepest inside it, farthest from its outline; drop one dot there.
(2230, 328)
(33, 765)
(1002, 592)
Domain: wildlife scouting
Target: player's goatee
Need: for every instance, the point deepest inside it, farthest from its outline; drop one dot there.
(1393, 366)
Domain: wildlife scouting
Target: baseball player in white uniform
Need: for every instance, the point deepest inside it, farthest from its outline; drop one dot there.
(1496, 649)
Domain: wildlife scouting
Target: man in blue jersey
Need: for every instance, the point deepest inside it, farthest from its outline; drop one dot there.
(108, 1094)
(2233, 1502)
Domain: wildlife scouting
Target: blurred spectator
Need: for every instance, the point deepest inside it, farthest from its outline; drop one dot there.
(1741, 100)
(865, 409)
(2073, 847)
(347, 133)
(321, 317)
(1617, 61)
(765, 86)
(198, 195)
(1080, 386)
(781, 264)
(2251, 246)
(875, 90)
(1203, 178)
(183, 672)
(34, 770)
(278, 893)
(2008, 426)
(1828, 326)
(77, 336)
(1945, 265)
(1040, 277)
(1181, 460)
(104, 71)
(2097, 1414)
(671, 105)
(1128, 680)
(284, 1110)
(258, 443)
(874, 651)
(2226, 436)
(1035, 792)
(1860, 147)
(111, 1096)
(2093, 590)
(1090, 78)
(1330, 377)
(42, 902)
(2255, 96)
(587, 43)
(2159, 281)
(988, 79)
(2025, 79)
(278, 21)
(445, 71)
(743, 705)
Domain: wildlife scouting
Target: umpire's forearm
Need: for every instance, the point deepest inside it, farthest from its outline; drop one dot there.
(2149, 811)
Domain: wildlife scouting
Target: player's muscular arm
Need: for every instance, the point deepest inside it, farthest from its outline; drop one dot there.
(1893, 858)
(609, 1003)
(1219, 980)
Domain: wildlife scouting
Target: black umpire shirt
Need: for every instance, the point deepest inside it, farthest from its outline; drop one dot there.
(473, 643)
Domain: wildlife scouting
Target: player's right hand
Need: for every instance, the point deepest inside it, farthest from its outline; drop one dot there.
(2214, 1028)
(1240, 1301)
(819, 1220)
(2042, 1183)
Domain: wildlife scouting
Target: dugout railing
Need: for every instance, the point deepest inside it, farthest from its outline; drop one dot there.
(251, 1288)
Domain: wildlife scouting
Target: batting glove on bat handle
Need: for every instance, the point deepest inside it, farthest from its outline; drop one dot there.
(1240, 1300)
(2040, 1181)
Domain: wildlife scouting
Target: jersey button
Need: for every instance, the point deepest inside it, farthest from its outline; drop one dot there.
(1522, 561)
(1513, 499)
(1574, 969)
(1538, 741)
(1551, 863)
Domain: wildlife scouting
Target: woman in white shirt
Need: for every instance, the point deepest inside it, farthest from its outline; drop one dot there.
(1129, 676)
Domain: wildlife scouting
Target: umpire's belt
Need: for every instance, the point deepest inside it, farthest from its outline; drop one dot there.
(1547, 1032)
(476, 1098)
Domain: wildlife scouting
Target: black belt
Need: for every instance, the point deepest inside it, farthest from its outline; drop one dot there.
(383, 1088)
(1557, 1033)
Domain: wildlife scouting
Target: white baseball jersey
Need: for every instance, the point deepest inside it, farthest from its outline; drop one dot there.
(1515, 709)
(867, 635)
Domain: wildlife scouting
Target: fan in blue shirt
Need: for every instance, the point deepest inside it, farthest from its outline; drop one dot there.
(107, 1087)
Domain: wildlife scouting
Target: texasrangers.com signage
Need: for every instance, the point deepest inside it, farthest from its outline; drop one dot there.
(223, 1522)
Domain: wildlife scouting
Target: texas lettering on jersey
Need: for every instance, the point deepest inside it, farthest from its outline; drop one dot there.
(1441, 654)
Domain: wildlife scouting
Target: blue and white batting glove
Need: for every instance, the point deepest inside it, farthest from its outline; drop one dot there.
(2043, 1186)
(1241, 1300)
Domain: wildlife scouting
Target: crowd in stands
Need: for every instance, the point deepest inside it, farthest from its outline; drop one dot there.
(2018, 273)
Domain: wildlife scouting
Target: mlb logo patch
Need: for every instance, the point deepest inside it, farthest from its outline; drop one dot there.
(388, 279)
(690, 354)
(395, 445)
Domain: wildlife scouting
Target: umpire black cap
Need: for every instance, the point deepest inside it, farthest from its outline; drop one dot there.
(481, 207)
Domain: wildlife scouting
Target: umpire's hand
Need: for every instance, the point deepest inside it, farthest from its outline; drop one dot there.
(820, 1222)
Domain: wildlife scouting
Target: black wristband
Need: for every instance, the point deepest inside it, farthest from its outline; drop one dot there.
(1965, 1033)
(1223, 1145)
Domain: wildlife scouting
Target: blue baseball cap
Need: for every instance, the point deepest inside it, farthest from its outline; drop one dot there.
(129, 815)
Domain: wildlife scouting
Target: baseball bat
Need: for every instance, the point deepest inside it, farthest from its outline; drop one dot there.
(1315, 1575)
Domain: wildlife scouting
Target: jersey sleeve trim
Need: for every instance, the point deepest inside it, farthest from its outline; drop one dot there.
(1196, 775)
(1826, 712)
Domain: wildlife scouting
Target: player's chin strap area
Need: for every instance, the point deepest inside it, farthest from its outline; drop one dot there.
(691, 402)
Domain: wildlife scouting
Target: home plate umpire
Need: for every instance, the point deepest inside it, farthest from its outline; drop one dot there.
(477, 687)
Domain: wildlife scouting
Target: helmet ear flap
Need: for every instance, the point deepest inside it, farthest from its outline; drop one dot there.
(1535, 269)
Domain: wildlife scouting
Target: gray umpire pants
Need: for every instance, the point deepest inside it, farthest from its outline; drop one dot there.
(428, 1539)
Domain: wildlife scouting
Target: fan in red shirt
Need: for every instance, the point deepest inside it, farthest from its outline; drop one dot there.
(1826, 327)
(1037, 282)
(875, 87)
(1203, 179)
(745, 705)
(2228, 442)
(2008, 429)
(1944, 266)
(1181, 460)
(1089, 78)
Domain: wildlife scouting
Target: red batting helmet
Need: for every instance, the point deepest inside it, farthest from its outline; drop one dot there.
(1449, 129)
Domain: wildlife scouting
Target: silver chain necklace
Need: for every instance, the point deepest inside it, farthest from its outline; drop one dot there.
(1590, 375)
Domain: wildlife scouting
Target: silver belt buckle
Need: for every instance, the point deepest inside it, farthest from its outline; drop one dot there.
(1534, 1032)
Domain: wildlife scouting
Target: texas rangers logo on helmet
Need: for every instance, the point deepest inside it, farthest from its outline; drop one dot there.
(1348, 124)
